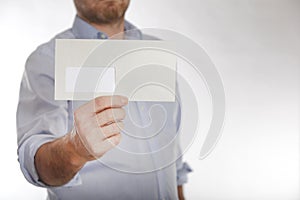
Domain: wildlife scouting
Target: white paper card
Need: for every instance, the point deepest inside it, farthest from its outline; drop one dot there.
(140, 70)
(76, 79)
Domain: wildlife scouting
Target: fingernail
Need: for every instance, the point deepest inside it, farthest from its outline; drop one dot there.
(124, 100)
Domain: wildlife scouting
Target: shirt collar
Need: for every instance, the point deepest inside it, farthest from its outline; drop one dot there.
(83, 30)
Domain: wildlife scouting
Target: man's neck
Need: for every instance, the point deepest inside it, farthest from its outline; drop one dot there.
(114, 30)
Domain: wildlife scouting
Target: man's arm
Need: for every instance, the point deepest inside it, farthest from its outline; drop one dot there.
(57, 162)
(97, 130)
(180, 192)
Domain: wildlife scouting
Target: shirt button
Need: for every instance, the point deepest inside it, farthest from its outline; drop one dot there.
(102, 36)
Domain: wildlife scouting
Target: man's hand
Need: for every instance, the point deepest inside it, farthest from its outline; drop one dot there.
(97, 127)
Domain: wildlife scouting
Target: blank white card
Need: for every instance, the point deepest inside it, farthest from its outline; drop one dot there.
(103, 78)
(140, 70)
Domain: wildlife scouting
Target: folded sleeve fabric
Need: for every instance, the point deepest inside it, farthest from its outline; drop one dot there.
(182, 171)
(40, 119)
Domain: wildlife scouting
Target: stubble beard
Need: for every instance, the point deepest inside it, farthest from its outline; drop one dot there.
(103, 11)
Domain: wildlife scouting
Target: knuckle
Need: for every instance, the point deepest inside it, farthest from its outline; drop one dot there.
(114, 141)
(117, 139)
(100, 101)
(115, 128)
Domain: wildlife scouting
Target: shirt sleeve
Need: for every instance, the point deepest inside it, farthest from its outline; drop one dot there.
(182, 168)
(40, 119)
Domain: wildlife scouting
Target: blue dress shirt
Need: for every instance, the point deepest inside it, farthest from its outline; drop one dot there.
(146, 164)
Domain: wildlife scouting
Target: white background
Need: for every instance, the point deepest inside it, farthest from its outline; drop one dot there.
(255, 45)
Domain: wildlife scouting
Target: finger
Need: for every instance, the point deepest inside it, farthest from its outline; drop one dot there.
(98, 147)
(104, 102)
(110, 116)
(112, 129)
(111, 142)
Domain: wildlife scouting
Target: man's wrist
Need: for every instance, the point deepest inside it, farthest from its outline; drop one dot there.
(73, 146)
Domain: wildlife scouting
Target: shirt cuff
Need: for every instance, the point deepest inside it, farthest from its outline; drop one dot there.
(182, 174)
(26, 154)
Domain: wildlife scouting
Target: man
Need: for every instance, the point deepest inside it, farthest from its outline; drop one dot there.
(71, 147)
